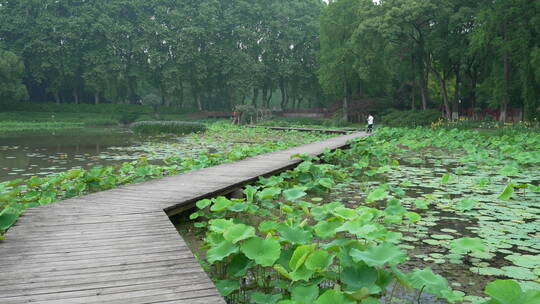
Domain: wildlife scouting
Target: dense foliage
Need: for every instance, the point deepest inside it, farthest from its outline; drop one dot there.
(449, 54)
(172, 127)
(342, 228)
(208, 54)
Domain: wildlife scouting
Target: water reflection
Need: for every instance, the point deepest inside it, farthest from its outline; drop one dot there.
(23, 154)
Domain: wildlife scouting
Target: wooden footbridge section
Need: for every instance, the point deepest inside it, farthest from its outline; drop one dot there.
(119, 246)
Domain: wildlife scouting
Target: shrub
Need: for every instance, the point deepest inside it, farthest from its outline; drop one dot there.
(410, 118)
(175, 127)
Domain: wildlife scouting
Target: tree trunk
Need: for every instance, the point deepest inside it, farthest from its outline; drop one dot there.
(424, 89)
(345, 106)
(269, 99)
(456, 99)
(255, 97)
(504, 101)
(444, 94)
(56, 97)
(284, 96)
(75, 96)
(96, 98)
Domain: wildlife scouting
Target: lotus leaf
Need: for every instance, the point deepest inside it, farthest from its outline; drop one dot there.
(263, 298)
(221, 251)
(509, 292)
(239, 266)
(294, 193)
(220, 225)
(529, 261)
(319, 260)
(332, 296)
(301, 274)
(300, 255)
(304, 294)
(268, 193)
(358, 276)
(221, 204)
(295, 235)
(7, 218)
(431, 282)
(377, 195)
(378, 256)
(226, 287)
(520, 273)
(263, 251)
(326, 182)
(268, 226)
(238, 232)
(507, 193)
(327, 229)
(345, 213)
(464, 245)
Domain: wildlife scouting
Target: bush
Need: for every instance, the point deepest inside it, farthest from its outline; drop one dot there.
(410, 118)
(174, 127)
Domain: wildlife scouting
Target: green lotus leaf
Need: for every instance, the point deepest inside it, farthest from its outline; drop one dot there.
(7, 218)
(326, 182)
(529, 261)
(288, 302)
(263, 251)
(466, 204)
(507, 193)
(238, 232)
(359, 228)
(429, 281)
(226, 287)
(220, 225)
(333, 296)
(319, 260)
(413, 217)
(520, 273)
(301, 274)
(281, 270)
(295, 235)
(268, 193)
(509, 292)
(304, 294)
(239, 265)
(464, 245)
(294, 193)
(250, 193)
(221, 251)
(268, 226)
(300, 255)
(377, 195)
(263, 298)
(421, 204)
(358, 276)
(327, 229)
(203, 203)
(509, 170)
(487, 271)
(445, 179)
(378, 256)
(221, 204)
(345, 213)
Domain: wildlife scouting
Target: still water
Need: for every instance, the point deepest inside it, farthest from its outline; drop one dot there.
(27, 153)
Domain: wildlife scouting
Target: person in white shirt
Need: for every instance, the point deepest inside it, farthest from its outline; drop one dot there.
(370, 123)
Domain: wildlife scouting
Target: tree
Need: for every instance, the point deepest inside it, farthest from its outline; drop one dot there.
(11, 72)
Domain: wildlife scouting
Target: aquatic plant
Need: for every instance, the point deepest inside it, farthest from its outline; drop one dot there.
(173, 127)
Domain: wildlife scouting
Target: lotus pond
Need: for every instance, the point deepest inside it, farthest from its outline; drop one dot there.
(74, 162)
(404, 216)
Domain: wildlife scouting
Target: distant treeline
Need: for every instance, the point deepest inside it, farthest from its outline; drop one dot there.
(458, 56)
(448, 54)
(203, 54)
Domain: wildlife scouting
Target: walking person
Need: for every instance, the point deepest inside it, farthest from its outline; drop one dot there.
(370, 123)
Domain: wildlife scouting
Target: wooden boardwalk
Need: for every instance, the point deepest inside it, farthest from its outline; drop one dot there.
(119, 246)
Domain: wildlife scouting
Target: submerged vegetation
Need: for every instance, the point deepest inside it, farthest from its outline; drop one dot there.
(428, 211)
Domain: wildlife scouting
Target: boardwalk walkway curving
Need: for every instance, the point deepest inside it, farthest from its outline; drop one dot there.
(118, 246)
